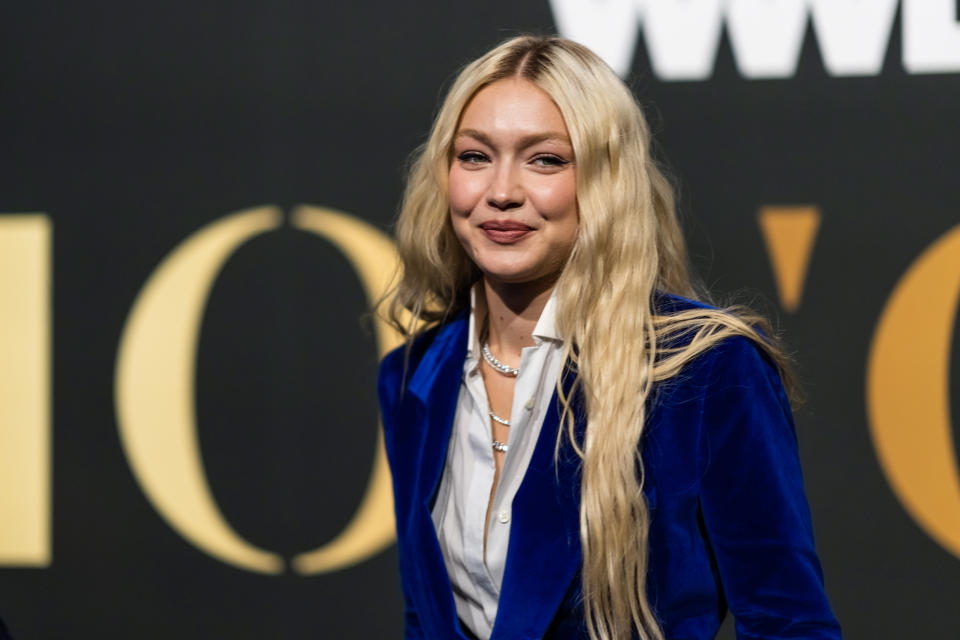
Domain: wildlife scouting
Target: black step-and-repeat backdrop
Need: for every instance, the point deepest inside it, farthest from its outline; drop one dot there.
(195, 210)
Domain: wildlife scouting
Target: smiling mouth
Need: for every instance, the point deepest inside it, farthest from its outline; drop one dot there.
(505, 231)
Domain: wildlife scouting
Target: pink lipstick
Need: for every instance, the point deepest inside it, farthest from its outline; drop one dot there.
(505, 231)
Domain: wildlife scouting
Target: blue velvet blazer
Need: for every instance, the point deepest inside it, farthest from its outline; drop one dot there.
(730, 526)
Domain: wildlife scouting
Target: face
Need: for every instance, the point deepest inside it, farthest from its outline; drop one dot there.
(513, 197)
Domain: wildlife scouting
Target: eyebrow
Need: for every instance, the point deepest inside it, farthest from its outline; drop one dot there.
(525, 141)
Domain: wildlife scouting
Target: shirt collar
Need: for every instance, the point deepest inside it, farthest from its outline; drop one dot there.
(546, 328)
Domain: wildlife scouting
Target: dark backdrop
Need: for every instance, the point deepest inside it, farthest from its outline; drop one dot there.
(132, 125)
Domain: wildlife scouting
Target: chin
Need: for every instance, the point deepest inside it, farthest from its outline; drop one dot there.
(502, 274)
(497, 267)
(512, 275)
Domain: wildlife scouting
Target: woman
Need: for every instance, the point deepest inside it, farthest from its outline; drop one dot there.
(577, 450)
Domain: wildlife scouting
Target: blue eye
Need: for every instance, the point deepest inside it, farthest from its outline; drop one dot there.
(549, 161)
(472, 157)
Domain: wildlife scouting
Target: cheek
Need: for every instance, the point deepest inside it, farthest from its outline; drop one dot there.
(460, 228)
(557, 199)
(464, 191)
(558, 203)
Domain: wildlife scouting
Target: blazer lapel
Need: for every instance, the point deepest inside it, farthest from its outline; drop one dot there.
(435, 386)
(544, 554)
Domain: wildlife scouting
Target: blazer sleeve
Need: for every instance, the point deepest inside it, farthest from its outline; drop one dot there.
(388, 389)
(754, 509)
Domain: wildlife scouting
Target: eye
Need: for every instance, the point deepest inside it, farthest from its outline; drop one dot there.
(549, 160)
(472, 157)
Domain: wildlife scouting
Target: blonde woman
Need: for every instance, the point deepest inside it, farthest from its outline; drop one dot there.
(578, 448)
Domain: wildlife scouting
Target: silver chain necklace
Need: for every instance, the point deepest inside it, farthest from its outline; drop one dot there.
(497, 445)
(508, 371)
(496, 364)
(497, 418)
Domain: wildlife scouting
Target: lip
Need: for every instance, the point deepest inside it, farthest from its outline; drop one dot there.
(505, 231)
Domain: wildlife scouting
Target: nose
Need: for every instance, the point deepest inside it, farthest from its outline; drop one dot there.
(505, 191)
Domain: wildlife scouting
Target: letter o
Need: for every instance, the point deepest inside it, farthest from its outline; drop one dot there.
(908, 393)
(155, 386)
(374, 258)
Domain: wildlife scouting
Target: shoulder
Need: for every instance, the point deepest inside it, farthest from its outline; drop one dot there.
(400, 365)
(736, 366)
(740, 393)
(737, 348)
(397, 365)
(726, 402)
(669, 303)
(739, 362)
(409, 354)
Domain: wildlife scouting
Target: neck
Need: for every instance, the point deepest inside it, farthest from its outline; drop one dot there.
(512, 314)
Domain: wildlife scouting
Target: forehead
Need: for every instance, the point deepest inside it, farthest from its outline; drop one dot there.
(512, 105)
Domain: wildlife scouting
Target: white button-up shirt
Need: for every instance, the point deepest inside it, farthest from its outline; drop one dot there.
(461, 504)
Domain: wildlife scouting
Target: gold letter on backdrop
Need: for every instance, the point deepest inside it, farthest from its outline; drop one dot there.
(25, 290)
(374, 258)
(155, 385)
(908, 391)
(789, 233)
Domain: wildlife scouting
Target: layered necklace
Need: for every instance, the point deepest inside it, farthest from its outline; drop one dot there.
(506, 370)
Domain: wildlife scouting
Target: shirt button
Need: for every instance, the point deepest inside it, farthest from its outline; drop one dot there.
(503, 516)
(529, 405)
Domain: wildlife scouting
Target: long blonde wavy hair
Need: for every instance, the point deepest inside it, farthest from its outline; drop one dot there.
(629, 244)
